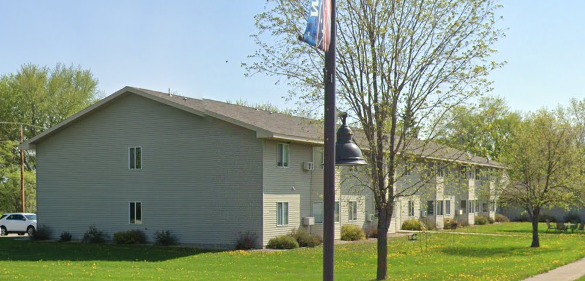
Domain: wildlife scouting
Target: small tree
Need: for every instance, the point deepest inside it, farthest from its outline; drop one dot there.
(546, 166)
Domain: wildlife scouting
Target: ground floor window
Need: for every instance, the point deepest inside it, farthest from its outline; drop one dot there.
(318, 212)
(411, 208)
(353, 210)
(282, 213)
(136, 212)
(484, 207)
(439, 207)
(430, 208)
(447, 207)
(463, 206)
(337, 211)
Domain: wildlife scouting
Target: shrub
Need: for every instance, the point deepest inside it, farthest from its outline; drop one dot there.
(412, 224)
(42, 232)
(351, 232)
(165, 238)
(481, 220)
(490, 220)
(306, 239)
(502, 218)
(572, 217)
(246, 240)
(95, 236)
(134, 236)
(428, 224)
(464, 224)
(544, 217)
(65, 237)
(283, 242)
(372, 232)
(450, 223)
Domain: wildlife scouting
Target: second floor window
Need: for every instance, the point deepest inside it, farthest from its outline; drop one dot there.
(135, 158)
(282, 155)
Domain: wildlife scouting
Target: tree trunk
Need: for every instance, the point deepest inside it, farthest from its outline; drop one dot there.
(535, 240)
(383, 225)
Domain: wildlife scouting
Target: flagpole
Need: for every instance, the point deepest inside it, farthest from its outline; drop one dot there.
(329, 147)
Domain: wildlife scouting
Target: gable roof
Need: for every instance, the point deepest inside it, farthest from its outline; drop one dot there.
(266, 124)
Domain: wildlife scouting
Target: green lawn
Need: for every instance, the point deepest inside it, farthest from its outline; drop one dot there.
(446, 257)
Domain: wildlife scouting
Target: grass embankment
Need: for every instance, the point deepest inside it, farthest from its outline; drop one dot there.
(445, 256)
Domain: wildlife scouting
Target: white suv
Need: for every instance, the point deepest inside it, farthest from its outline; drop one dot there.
(20, 223)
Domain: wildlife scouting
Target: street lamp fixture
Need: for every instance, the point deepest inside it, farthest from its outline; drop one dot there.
(347, 153)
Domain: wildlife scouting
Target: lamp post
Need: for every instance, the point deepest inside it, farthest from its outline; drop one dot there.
(344, 152)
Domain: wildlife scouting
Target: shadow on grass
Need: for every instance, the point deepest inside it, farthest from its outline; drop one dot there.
(25, 250)
(480, 252)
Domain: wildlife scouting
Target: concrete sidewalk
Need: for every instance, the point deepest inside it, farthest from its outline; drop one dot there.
(572, 271)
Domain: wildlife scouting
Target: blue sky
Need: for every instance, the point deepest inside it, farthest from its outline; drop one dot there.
(196, 47)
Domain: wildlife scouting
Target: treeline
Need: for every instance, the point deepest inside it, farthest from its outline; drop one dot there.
(36, 98)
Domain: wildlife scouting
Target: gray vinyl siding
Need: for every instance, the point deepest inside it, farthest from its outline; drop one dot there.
(201, 178)
(292, 183)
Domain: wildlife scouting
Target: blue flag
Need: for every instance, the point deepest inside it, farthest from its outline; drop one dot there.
(318, 31)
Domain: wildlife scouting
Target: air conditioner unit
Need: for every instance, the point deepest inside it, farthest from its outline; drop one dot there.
(308, 166)
(308, 221)
(370, 217)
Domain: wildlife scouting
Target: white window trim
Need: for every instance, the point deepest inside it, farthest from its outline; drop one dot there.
(352, 211)
(440, 207)
(287, 214)
(141, 212)
(338, 209)
(277, 150)
(448, 210)
(411, 208)
(322, 211)
(141, 158)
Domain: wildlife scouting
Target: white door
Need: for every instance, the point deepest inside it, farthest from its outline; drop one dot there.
(16, 223)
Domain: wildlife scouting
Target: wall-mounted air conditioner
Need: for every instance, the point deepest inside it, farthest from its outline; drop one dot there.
(308, 166)
(308, 221)
(370, 217)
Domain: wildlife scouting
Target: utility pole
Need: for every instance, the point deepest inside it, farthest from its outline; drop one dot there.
(22, 171)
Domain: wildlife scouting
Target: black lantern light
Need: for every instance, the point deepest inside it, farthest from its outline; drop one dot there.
(347, 153)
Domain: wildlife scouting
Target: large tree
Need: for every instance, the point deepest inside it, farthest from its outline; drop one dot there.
(546, 166)
(402, 64)
(37, 98)
(484, 130)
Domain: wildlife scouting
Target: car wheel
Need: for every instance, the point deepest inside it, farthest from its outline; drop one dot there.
(3, 231)
(30, 230)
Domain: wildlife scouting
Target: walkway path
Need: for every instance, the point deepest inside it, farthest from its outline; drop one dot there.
(569, 272)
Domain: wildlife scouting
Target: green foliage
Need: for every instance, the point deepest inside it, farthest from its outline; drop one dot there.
(95, 236)
(134, 236)
(246, 240)
(484, 130)
(502, 218)
(352, 232)
(42, 232)
(306, 239)
(572, 217)
(428, 224)
(65, 236)
(371, 232)
(282, 242)
(481, 220)
(165, 238)
(37, 97)
(486, 257)
(449, 223)
(412, 224)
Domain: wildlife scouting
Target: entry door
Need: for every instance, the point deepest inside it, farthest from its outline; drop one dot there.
(16, 223)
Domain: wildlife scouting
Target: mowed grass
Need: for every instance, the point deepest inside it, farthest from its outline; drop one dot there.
(438, 256)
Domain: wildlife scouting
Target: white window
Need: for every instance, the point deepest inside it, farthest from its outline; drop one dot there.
(318, 157)
(336, 211)
(282, 213)
(472, 206)
(135, 212)
(318, 212)
(484, 207)
(411, 208)
(282, 155)
(439, 207)
(353, 211)
(463, 206)
(447, 207)
(430, 207)
(135, 158)
(477, 173)
(476, 206)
